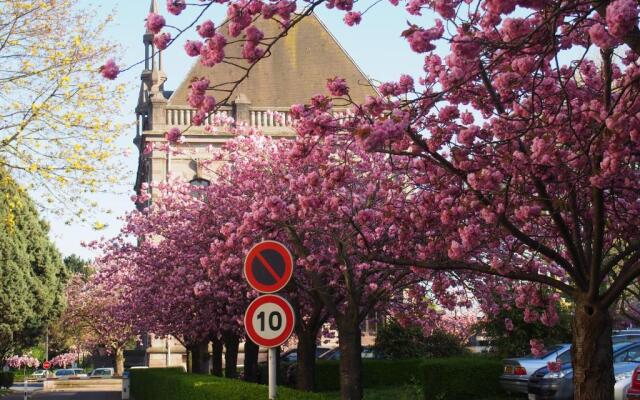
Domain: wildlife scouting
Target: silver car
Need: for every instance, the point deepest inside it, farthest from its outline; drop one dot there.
(516, 372)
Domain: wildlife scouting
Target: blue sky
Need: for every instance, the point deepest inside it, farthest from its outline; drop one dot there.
(375, 45)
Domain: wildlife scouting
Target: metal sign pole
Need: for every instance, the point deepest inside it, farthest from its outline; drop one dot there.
(26, 395)
(272, 373)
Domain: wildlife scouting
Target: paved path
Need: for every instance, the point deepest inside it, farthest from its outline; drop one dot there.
(69, 396)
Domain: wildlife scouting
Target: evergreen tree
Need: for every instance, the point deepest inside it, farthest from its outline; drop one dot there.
(32, 274)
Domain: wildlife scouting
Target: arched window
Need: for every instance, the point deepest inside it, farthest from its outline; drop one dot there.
(199, 182)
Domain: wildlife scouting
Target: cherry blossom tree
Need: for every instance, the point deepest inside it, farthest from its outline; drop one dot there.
(522, 143)
(25, 361)
(330, 203)
(64, 360)
(95, 309)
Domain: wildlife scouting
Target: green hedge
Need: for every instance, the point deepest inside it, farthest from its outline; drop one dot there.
(6, 379)
(162, 384)
(375, 373)
(460, 377)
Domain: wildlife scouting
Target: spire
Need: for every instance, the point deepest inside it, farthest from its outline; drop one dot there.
(154, 6)
(152, 97)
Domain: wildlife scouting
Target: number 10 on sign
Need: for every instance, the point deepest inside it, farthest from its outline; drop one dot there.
(269, 322)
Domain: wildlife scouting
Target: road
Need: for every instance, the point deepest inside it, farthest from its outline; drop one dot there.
(68, 396)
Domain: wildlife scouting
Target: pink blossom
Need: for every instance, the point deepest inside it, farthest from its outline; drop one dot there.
(554, 366)
(176, 7)
(110, 70)
(600, 37)
(148, 148)
(207, 29)
(161, 40)
(337, 86)
(622, 17)
(174, 135)
(420, 39)
(155, 22)
(352, 18)
(193, 48)
(537, 347)
(253, 34)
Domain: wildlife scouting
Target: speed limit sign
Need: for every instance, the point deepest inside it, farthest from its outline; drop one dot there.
(269, 321)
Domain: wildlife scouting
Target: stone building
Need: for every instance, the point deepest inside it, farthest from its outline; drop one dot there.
(296, 70)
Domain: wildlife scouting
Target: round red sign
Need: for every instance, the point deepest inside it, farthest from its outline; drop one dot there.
(46, 365)
(268, 266)
(269, 320)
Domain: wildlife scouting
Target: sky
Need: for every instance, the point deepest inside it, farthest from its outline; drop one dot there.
(375, 45)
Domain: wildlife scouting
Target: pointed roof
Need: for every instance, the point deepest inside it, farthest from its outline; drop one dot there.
(297, 69)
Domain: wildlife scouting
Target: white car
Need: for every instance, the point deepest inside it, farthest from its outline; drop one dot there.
(103, 373)
(63, 374)
(40, 374)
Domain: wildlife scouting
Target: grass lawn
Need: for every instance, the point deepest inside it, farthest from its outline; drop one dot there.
(406, 392)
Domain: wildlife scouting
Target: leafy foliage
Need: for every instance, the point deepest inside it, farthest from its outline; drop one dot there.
(57, 133)
(515, 342)
(31, 271)
(77, 265)
(397, 341)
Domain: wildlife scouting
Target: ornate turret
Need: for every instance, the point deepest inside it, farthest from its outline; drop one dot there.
(152, 100)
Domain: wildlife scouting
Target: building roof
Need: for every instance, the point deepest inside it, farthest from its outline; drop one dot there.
(297, 69)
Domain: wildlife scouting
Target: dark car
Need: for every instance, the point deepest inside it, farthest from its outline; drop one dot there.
(291, 356)
(558, 385)
(367, 352)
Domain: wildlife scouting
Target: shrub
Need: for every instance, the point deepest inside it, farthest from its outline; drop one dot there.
(169, 384)
(375, 373)
(460, 377)
(396, 341)
(6, 379)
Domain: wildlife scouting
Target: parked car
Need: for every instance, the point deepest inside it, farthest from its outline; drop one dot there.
(516, 372)
(64, 373)
(102, 373)
(291, 356)
(558, 385)
(625, 337)
(367, 352)
(633, 390)
(40, 374)
(80, 373)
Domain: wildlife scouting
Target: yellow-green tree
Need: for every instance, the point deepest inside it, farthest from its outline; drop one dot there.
(56, 115)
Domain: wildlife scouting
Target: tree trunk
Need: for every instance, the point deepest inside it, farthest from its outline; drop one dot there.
(306, 366)
(200, 362)
(189, 349)
(231, 343)
(216, 356)
(251, 361)
(592, 353)
(119, 360)
(350, 357)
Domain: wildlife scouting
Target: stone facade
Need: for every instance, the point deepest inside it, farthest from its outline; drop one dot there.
(296, 70)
